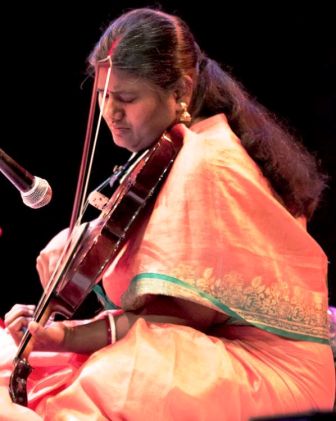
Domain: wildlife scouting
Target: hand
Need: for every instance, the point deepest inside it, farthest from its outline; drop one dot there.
(50, 337)
(17, 320)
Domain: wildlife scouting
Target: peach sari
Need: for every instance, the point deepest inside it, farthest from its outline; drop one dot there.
(218, 237)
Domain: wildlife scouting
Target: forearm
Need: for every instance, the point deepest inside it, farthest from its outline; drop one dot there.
(88, 338)
(161, 309)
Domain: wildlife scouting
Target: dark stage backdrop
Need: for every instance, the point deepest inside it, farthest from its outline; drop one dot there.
(285, 57)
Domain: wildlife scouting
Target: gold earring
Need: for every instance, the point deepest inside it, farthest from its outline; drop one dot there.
(185, 117)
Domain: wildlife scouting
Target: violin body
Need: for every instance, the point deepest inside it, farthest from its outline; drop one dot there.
(94, 247)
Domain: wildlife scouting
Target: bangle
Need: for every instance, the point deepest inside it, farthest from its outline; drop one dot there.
(111, 329)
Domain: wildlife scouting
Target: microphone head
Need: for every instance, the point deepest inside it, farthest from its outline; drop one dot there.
(39, 195)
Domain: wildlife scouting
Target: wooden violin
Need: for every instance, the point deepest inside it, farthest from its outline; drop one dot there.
(93, 248)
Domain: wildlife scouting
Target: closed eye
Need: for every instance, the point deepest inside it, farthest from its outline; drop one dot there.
(125, 99)
(120, 97)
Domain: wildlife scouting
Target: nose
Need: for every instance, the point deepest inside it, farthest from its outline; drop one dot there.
(113, 110)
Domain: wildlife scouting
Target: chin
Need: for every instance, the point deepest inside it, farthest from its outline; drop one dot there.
(121, 144)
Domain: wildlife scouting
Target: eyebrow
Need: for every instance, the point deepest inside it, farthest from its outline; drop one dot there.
(116, 91)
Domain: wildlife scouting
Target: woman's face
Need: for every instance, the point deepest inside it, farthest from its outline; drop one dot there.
(136, 112)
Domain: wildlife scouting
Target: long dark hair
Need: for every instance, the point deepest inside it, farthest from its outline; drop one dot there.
(161, 48)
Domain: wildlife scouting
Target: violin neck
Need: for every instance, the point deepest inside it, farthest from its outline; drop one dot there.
(42, 314)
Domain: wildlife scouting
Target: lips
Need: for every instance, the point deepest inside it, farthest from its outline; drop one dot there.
(119, 128)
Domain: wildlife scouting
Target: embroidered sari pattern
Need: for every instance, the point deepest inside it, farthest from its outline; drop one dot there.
(278, 308)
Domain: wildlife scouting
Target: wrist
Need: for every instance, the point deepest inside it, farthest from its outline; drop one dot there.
(110, 329)
(67, 344)
(86, 338)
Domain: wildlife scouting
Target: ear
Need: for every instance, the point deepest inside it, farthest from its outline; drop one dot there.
(184, 89)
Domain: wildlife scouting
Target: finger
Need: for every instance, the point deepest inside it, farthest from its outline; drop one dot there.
(19, 307)
(17, 319)
(18, 326)
(18, 330)
(19, 310)
(34, 328)
(40, 335)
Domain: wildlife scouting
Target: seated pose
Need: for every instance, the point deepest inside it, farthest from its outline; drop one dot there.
(221, 292)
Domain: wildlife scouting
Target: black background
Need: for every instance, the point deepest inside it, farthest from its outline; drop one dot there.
(285, 57)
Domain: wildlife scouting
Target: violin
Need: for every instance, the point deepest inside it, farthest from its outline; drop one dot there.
(92, 248)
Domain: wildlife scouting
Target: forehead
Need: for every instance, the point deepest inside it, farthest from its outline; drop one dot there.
(115, 79)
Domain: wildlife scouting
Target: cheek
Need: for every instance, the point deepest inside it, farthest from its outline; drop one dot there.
(150, 118)
(157, 118)
(143, 118)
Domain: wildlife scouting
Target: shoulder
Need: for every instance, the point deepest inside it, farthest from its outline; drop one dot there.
(213, 156)
(212, 143)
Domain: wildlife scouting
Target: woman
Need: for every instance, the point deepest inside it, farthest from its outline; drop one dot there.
(222, 290)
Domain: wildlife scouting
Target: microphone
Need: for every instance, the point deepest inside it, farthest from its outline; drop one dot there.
(35, 191)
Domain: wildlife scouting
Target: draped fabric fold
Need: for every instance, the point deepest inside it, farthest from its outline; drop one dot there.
(238, 249)
(216, 236)
(169, 372)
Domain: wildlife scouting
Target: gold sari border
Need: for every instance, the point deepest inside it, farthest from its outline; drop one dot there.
(142, 284)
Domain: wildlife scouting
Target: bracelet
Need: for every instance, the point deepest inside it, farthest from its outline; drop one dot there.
(111, 329)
